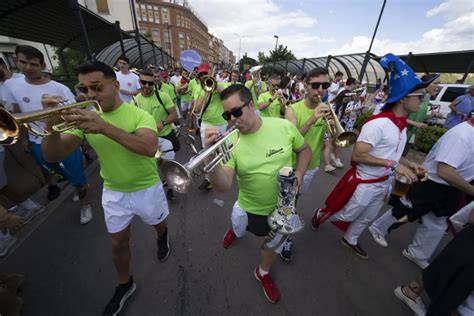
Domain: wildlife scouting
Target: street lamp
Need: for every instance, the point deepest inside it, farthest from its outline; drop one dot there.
(276, 46)
(240, 45)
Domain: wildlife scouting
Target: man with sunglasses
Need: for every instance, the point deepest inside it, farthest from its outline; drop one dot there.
(25, 95)
(376, 158)
(308, 116)
(210, 107)
(266, 145)
(163, 110)
(124, 138)
(269, 103)
(129, 84)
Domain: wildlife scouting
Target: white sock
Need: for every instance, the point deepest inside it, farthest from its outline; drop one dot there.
(261, 271)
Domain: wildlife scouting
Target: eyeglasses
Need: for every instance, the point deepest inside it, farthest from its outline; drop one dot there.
(146, 82)
(421, 95)
(96, 86)
(235, 112)
(202, 74)
(316, 85)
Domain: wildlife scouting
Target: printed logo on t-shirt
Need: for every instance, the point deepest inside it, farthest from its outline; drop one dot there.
(129, 84)
(26, 99)
(272, 152)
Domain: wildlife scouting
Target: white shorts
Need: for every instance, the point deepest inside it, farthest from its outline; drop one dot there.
(166, 149)
(149, 204)
(185, 105)
(220, 128)
(307, 178)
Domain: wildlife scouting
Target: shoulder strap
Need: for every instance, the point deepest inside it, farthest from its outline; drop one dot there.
(160, 101)
(205, 107)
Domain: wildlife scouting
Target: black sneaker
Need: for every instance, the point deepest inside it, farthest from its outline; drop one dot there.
(53, 192)
(356, 249)
(170, 194)
(205, 185)
(285, 253)
(122, 292)
(163, 247)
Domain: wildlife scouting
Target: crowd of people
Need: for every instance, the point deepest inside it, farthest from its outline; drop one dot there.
(283, 121)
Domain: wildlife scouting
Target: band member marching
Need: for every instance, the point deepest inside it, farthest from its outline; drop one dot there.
(308, 116)
(269, 103)
(359, 195)
(163, 110)
(266, 145)
(124, 138)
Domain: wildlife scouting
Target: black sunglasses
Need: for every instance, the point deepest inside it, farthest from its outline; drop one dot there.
(235, 112)
(316, 85)
(145, 82)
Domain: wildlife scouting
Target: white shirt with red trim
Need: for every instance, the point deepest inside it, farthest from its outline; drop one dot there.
(129, 82)
(387, 143)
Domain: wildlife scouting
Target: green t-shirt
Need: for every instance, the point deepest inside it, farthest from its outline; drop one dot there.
(121, 169)
(168, 89)
(419, 117)
(186, 97)
(213, 113)
(249, 84)
(273, 110)
(153, 106)
(315, 135)
(191, 85)
(258, 158)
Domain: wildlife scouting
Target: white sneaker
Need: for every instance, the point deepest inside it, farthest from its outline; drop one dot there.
(75, 198)
(329, 168)
(24, 213)
(421, 263)
(86, 214)
(416, 305)
(6, 242)
(34, 207)
(337, 162)
(378, 237)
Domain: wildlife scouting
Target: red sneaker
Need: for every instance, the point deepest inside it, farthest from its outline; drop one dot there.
(229, 238)
(269, 289)
(316, 220)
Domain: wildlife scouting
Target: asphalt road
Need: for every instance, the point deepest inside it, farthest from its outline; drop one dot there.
(69, 270)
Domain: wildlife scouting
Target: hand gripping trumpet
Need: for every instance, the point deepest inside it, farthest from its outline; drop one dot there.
(10, 123)
(179, 177)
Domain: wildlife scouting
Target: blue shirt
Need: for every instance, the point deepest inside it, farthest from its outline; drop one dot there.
(465, 105)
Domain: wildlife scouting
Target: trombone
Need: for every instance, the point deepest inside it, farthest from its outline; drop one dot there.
(180, 177)
(209, 85)
(339, 136)
(10, 123)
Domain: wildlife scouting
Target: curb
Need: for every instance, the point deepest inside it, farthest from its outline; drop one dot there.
(36, 222)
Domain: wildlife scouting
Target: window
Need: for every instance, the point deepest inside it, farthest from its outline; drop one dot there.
(157, 17)
(10, 61)
(188, 39)
(150, 15)
(178, 20)
(102, 6)
(144, 16)
(156, 35)
(452, 93)
(166, 16)
(143, 30)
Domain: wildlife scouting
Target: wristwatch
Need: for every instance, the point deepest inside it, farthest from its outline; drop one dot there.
(164, 123)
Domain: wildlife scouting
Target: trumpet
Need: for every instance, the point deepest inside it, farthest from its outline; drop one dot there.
(10, 123)
(180, 177)
(209, 85)
(339, 136)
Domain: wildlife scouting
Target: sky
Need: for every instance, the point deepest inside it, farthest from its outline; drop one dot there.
(314, 28)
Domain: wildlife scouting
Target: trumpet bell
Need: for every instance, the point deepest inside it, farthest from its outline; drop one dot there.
(345, 139)
(9, 128)
(178, 177)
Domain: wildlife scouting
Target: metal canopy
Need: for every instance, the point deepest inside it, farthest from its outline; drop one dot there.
(56, 23)
(448, 62)
(110, 54)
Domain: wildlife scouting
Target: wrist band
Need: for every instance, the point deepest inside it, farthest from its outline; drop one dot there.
(390, 167)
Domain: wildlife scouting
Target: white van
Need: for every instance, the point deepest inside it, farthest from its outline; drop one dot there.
(447, 94)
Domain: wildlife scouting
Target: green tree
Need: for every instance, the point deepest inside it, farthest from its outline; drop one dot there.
(147, 35)
(262, 59)
(281, 53)
(72, 58)
(246, 63)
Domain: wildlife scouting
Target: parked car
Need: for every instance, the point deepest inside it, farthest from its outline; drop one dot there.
(447, 94)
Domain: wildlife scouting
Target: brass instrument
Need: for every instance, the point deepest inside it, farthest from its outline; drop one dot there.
(209, 85)
(179, 177)
(340, 138)
(256, 79)
(10, 123)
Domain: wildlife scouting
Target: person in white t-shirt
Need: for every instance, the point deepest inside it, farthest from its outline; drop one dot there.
(129, 82)
(335, 86)
(176, 77)
(377, 155)
(25, 95)
(450, 165)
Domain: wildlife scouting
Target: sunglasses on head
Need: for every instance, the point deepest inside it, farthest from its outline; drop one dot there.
(316, 85)
(96, 86)
(146, 82)
(421, 95)
(235, 112)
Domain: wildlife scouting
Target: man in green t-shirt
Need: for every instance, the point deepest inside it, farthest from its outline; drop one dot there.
(184, 90)
(266, 145)
(257, 89)
(162, 109)
(124, 138)
(209, 104)
(308, 116)
(269, 103)
(234, 77)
